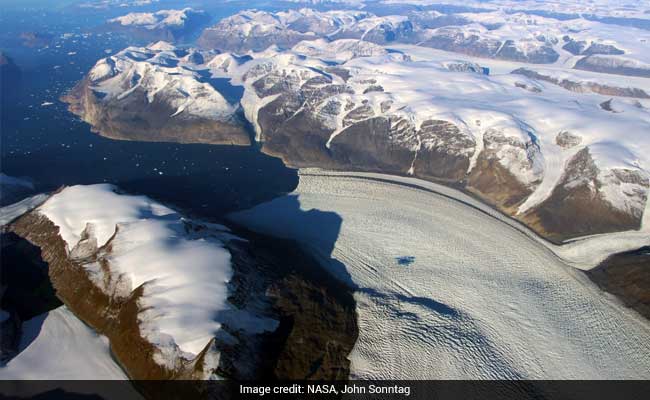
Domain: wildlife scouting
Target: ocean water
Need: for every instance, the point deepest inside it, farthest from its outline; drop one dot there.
(41, 141)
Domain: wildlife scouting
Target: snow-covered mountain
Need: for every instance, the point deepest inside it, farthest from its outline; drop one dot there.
(180, 298)
(471, 172)
(479, 41)
(156, 20)
(167, 25)
(349, 105)
(585, 44)
(614, 65)
(257, 30)
(103, 4)
(522, 37)
(130, 260)
(613, 9)
(339, 50)
(436, 120)
(582, 84)
(155, 93)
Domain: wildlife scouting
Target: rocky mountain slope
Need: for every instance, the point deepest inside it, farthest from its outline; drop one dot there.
(614, 65)
(184, 299)
(376, 114)
(349, 105)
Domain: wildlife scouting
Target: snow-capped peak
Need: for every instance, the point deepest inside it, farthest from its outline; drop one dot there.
(162, 46)
(163, 73)
(158, 20)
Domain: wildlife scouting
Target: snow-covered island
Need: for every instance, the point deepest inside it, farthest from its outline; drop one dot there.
(170, 25)
(155, 94)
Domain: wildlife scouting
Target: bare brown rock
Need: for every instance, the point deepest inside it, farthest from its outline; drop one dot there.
(576, 207)
(495, 183)
(134, 118)
(567, 140)
(444, 152)
(627, 276)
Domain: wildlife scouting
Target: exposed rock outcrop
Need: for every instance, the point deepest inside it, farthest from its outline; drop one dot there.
(567, 140)
(507, 170)
(590, 200)
(613, 65)
(584, 87)
(627, 276)
(584, 48)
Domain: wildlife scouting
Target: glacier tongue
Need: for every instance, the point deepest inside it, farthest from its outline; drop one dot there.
(64, 348)
(475, 298)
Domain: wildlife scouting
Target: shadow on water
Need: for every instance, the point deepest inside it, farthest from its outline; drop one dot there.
(206, 180)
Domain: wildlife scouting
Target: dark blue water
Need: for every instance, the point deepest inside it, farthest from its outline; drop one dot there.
(52, 147)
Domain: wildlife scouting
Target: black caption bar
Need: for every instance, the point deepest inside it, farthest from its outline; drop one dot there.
(352, 390)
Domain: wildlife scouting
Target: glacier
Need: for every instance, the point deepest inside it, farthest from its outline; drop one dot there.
(480, 299)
